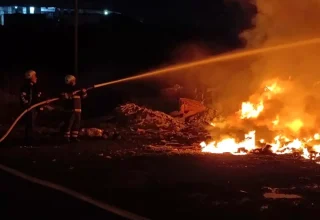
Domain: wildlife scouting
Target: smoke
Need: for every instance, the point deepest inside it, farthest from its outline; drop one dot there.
(278, 22)
(296, 69)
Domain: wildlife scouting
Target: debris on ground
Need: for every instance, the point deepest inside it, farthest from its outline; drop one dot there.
(106, 133)
(144, 118)
(143, 126)
(140, 125)
(92, 132)
(189, 107)
(203, 118)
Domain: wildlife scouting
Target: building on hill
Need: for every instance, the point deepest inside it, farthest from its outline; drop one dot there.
(13, 12)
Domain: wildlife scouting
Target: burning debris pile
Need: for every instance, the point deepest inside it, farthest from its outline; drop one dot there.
(283, 116)
(292, 133)
(268, 127)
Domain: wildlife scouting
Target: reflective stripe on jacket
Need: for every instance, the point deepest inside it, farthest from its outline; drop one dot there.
(72, 100)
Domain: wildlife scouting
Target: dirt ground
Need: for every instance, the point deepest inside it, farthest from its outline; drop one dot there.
(174, 182)
(22, 199)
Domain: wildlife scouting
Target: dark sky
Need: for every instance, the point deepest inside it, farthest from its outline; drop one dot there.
(193, 12)
(182, 11)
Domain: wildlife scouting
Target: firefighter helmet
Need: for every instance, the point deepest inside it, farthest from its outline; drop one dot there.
(29, 74)
(69, 78)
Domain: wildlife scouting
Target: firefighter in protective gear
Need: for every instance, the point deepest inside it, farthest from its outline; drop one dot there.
(30, 95)
(72, 97)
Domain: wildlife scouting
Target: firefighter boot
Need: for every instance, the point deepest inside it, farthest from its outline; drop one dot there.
(74, 136)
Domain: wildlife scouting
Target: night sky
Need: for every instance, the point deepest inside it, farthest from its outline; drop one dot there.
(191, 12)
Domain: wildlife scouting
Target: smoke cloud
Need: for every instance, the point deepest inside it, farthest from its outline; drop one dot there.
(296, 70)
(279, 22)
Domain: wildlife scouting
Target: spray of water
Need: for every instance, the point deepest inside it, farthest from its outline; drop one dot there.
(215, 59)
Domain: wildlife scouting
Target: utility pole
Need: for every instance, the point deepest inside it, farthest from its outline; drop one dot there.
(76, 10)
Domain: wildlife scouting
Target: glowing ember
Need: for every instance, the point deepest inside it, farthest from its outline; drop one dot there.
(281, 144)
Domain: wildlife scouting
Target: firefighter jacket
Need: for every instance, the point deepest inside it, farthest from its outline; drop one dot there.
(72, 98)
(29, 95)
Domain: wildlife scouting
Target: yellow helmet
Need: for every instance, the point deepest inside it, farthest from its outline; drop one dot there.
(69, 78)
(29, 74)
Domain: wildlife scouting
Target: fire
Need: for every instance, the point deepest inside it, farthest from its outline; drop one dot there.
(295, 125)
(231, 146)
(281, 144)
(250, 110)
(276, 121)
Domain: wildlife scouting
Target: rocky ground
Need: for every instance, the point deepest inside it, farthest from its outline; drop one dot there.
(159, 172)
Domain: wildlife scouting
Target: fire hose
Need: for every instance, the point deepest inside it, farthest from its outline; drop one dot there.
(46, 102)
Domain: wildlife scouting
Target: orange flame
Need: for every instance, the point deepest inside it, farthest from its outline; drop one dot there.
(280, 144)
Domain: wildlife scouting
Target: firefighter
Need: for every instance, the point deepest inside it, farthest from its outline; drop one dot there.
(30, 95)
(72, 97)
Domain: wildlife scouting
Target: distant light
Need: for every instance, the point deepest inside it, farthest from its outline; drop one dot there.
(31, 10)
(16, 7)
(47, 9)
(106, 12)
